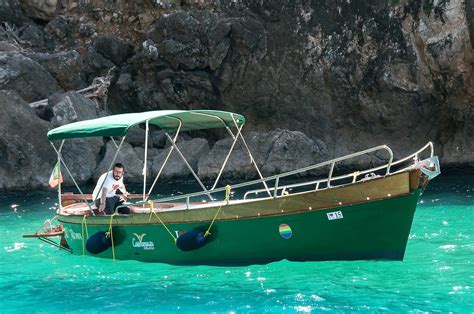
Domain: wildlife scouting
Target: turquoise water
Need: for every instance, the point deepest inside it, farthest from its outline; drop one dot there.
(436, 276)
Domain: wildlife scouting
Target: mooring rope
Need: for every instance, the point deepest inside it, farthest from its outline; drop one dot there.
(226, 200)
(84, 224)
(152, 211)
(207, 233)
(110, 234)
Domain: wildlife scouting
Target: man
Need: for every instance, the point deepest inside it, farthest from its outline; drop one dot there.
(106, 198)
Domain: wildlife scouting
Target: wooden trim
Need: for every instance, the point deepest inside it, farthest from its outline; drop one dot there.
(79, 197)
(71, 198)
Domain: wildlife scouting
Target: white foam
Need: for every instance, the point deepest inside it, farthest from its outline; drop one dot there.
(16, 246)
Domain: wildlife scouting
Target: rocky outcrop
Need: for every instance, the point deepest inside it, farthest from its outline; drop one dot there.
(112, 49)
(202, 40)
(136, 137)
(71, 107)
(337, 76)
(64, 66)
(470, 20)
(193, 150)
(27, 77)
(183, 50)
(34, 37)
(25, 152)
(63, 29)
(274, 152)
(11, 12)
(133, 163)
(373, 75)
(80, 155)
(41, 10)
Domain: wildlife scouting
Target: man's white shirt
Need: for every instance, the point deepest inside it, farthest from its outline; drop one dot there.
(110, 184)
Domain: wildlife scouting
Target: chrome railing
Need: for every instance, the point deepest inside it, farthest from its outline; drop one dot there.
(354, 175)
(415, 155)
(330, 177)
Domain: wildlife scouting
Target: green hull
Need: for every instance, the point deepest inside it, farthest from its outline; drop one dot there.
(375, 229)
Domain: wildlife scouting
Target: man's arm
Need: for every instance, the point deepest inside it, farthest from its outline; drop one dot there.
(124, 191)
(103, 197)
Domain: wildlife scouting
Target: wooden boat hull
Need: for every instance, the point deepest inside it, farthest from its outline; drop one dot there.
(361, 221)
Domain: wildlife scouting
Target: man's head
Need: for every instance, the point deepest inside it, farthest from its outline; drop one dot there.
(118, 171)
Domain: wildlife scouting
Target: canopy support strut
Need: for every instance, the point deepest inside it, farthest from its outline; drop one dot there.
(59, 181)
(145, 159)
(113, 141)
(164, 162)
(72, 177)
(235, 138)
(228, 154)
(252, 160)
(189, 166)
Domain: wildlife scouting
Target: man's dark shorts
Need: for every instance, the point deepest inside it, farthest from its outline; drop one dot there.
(111, 203)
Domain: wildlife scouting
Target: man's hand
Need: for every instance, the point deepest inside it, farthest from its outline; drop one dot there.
(101, 207)
(125, 195)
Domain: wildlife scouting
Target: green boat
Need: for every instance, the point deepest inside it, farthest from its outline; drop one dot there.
(361, 215)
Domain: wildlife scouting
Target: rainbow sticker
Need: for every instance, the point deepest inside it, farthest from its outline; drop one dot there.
(285, 231)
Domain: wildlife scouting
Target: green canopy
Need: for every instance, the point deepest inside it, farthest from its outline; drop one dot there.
(168, 120)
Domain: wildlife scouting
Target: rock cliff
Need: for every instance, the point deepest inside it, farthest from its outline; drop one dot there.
(332, 77)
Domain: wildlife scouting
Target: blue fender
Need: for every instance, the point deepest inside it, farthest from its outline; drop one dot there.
(191, 240)
(98, 243)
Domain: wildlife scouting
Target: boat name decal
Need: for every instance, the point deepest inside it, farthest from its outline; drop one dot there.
(335, 215)
(139, 243)
(74, 235)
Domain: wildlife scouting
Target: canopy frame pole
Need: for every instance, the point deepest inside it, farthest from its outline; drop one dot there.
(189, 167)
(165, 161)
(231, 133)
(110, 167)
(145, 158)
(113, 141)
(239, 129)
(252, 160)
(59, 181)
(72, 177)
(235, 138)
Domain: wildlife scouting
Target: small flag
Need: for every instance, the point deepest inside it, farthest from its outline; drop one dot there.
(56, 178)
